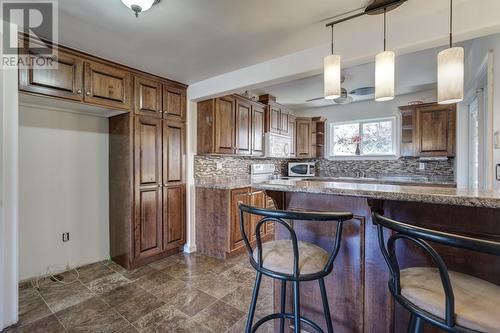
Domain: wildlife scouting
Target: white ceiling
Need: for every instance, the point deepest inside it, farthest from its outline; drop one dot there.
(191, 40)
(415, 72)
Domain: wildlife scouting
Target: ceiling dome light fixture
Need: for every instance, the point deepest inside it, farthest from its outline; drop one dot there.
(451, 71)
(332, 75)
(384, 71)
(139, 6)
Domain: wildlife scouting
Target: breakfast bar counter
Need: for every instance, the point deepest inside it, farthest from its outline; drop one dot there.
(359, 297)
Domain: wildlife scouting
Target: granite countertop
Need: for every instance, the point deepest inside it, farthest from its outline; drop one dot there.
(437, 195)
(223, 183)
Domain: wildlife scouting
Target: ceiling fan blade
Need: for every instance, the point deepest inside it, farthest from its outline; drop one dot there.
(314, 99)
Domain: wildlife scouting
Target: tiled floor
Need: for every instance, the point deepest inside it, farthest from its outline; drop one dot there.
(183, 293)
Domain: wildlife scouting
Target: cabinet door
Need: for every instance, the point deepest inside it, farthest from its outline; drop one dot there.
(243, 127)
(292, 133)
(147, 97)
(285, 118)
(241, 195)
(257, 130)
(148, 231)
(174, 103)
(174, 152)
(435, 131)
(274, 119)
(224, 125)
(65, 81)
(107, 86)
(303, 145)
(258, 200)
(174, 213)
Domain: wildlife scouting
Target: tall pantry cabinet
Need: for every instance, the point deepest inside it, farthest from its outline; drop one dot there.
(147, 174)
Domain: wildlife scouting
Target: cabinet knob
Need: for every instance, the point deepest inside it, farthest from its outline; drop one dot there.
(161, 111)
(160, 185)
(79, 91)
(87, 93)
(165, 185)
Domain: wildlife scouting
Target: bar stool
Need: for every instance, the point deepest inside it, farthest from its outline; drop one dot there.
(290, 260)
(446, 299)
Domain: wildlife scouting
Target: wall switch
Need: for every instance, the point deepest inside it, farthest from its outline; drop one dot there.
(219, 165)
(421, 166)
(65, 237)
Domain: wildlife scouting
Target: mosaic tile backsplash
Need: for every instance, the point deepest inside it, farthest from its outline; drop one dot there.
(238, 167)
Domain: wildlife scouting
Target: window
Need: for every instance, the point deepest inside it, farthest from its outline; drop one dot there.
(374, 137)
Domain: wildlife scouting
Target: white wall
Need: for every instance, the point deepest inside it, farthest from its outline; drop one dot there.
(63, 188)
(474, 59)
(8, 194)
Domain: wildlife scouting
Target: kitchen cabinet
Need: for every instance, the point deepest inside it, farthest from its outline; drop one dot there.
(293, 135)
(257, 130)
(243, 127)
(147, 188)
(174, 102)
(277, 116)
(428, 130)
(230, 125)
(64, 81)
(318, 137)
(218, 220)
(147, 97)
(148, 206)
(303, 136)
(107, 85)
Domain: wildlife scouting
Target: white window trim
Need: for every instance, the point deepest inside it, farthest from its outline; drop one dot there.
(395, 140)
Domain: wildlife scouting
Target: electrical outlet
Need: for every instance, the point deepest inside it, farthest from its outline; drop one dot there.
(65, 237)
(421, 166)
(219, 165)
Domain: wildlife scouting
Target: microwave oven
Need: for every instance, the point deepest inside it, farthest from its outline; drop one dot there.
(301, 169)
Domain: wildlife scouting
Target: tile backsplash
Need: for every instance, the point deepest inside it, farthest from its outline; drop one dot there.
(403, 166)
(236, 166)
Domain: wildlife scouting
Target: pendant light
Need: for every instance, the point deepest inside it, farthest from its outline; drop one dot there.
(332, 75)
(451, 71)
(384, 71)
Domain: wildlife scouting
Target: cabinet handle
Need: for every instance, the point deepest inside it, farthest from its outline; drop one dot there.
(79, 91)
(160, 185)
(87, 93)
(161, 111)
(165, 185)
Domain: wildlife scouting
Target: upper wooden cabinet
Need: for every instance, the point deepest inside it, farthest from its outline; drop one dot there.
(277, 116)
(64, 81)
(428, 130)
(86, 79)
(292, 123)
(230, 125)
(257, 130)
(303, 137)
(174, 102)
(147, 97)
(107, 85)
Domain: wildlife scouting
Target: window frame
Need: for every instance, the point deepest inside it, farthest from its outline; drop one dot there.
(386, 156)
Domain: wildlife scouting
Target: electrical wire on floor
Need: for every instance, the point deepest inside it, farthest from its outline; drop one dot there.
(56, 277)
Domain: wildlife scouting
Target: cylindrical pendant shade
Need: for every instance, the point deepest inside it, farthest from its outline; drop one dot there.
(384, 76)
(332, 77)
(451, 75)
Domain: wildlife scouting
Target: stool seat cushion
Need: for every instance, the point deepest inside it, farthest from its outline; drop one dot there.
(477, 302)
(277, 256)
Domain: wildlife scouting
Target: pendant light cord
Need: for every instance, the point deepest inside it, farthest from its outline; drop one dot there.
(385, 28)
(332, 38)
(451, 23)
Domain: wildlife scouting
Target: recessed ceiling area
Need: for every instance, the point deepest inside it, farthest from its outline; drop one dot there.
(415, 72)
(192, 40)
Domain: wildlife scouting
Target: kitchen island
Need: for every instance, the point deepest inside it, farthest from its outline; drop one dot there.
(359, 297)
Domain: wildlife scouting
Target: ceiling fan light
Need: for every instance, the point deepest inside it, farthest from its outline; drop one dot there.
(332, 76)
(384, 76)
(139, 5)
(451, 75)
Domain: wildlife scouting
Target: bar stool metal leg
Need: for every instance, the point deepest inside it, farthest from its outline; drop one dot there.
(296, 307)
(283, 306)
(417, 325)
(255, 295)
(326, 307)
(411, 323)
